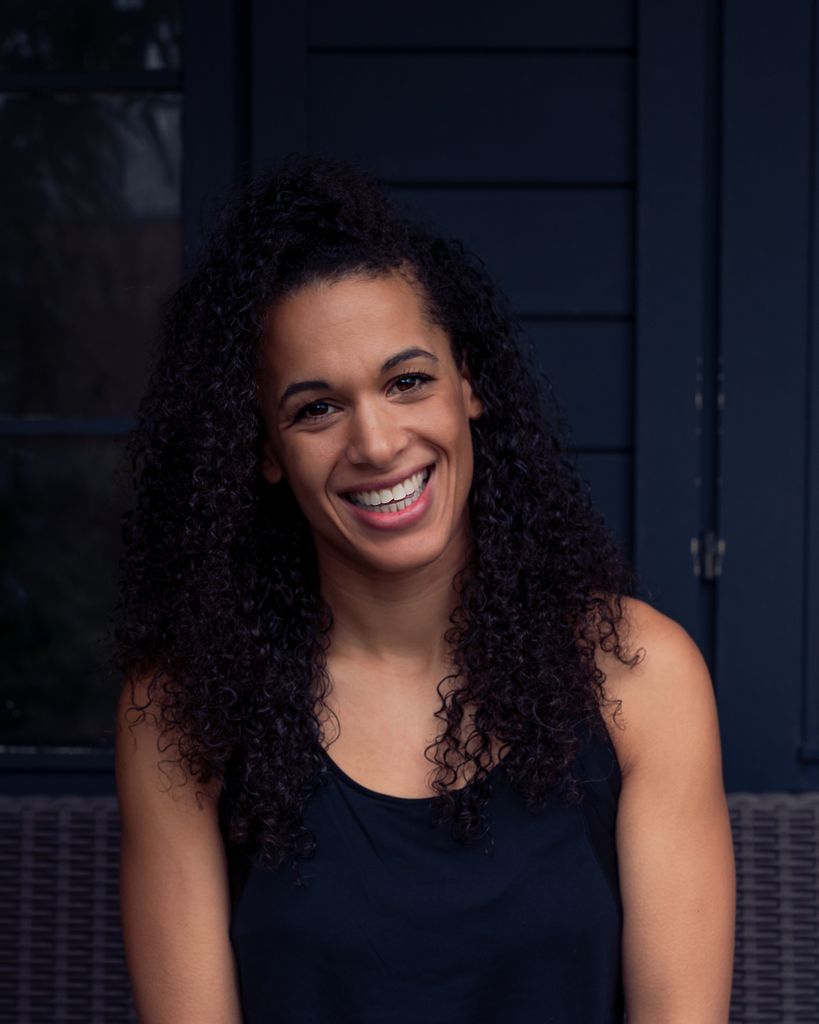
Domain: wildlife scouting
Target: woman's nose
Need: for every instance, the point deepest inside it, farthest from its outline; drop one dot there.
(376, 436)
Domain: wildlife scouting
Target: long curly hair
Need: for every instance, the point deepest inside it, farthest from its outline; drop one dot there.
(220, 615)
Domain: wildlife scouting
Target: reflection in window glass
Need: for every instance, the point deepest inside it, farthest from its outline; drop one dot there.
(60, 502)
(90, 243)
(89, 35)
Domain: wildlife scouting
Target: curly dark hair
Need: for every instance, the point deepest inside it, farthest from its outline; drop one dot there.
(219, 604)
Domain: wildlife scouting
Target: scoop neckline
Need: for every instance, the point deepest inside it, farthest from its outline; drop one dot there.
(390, 797)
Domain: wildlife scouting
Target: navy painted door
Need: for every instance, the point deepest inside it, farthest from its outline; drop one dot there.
(768, 599)
(641, 178)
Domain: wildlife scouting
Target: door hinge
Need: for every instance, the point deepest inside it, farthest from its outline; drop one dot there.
(707, 552)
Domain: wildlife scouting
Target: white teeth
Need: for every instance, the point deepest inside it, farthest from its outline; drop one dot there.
(409, 489)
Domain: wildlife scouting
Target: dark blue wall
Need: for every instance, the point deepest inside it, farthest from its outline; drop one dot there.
(642, 179)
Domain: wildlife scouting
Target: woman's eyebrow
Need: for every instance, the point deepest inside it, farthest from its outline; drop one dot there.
(388, 364)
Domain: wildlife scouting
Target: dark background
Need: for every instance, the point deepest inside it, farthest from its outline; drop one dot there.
(642, 179)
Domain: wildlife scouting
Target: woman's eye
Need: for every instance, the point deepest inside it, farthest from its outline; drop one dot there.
(303, 412)
(422, 378)
(418, 380)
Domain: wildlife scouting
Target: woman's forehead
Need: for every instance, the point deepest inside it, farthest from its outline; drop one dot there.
(350, 301)
(366, 321)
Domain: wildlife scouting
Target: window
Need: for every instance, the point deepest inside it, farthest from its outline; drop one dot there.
(90, 131)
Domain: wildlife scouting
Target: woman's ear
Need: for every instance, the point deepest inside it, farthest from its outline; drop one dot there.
(271, 467)
(472, 404)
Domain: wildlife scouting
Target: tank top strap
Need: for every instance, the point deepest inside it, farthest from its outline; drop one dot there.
(597, 760)
(600, 781)
(238, 857)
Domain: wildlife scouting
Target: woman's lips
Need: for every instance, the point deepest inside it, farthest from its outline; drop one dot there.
(396, 520)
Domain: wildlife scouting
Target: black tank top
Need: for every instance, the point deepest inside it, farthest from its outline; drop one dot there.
(399, 924)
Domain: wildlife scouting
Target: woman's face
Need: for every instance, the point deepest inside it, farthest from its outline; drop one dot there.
(359, 393)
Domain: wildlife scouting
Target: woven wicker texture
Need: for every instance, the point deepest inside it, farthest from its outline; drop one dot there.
(61, 956)
(776, 967)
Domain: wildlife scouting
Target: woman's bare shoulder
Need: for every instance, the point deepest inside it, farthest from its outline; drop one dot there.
(174, 890)
(146, 749)
(673, 833)
(668, 684)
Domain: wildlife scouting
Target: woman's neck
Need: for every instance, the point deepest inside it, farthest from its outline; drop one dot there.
(393, 621)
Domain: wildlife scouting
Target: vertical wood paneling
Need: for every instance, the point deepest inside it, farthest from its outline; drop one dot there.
(810, 725)
(765, 249)
(671, 306)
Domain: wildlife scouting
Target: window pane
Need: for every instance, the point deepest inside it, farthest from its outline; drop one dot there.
(90, 241)
(89, 35)
(60, 503)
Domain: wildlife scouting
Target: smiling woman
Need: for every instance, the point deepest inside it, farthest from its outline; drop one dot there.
(366, 595)
(368, 435)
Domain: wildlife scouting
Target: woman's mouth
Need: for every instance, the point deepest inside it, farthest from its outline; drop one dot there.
(399, 505)
(392, 499)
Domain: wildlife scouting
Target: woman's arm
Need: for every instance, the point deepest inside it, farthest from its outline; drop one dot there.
(674, 842)
(174, 893)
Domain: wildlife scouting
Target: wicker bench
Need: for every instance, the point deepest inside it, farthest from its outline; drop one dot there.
(61, 957)
(776, 966)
